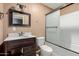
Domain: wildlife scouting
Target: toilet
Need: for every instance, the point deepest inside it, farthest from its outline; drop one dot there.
(45, 50)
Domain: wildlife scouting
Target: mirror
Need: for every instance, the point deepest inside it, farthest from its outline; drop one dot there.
(19, 18)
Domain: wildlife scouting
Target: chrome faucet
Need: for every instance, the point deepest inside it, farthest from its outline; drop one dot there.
(21, 33)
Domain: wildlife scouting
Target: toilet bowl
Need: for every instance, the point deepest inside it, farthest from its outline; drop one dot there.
(45, 50)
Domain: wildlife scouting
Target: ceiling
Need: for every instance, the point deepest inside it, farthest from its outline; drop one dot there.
(54, 5)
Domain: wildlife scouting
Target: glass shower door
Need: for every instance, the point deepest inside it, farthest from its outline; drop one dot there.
(52, 27)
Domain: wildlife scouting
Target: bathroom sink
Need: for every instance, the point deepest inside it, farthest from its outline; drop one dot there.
(17, 38)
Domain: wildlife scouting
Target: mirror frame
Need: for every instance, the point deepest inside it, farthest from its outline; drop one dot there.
(20, 12)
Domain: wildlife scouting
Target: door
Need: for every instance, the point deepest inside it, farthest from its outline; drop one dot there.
(52, 27)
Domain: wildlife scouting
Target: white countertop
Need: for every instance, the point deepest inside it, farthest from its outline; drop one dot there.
(17, 38)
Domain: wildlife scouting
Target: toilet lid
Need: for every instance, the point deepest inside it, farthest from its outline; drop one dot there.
(46, 48)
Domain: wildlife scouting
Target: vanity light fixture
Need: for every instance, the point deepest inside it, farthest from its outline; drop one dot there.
(21, 6)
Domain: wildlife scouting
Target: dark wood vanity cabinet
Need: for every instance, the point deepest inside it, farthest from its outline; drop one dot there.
(24, 47)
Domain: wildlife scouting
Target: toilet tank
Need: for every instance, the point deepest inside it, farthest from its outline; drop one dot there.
(40, 41)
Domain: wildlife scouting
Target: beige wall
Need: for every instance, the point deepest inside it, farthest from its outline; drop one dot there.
(37, 12)
(1, 25)
(69, 9)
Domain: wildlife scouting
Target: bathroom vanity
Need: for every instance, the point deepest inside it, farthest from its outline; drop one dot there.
(19, 46)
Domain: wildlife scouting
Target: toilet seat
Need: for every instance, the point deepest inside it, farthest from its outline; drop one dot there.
(46, 48)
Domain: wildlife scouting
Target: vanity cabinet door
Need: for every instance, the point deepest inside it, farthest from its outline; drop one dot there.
(30, 50)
